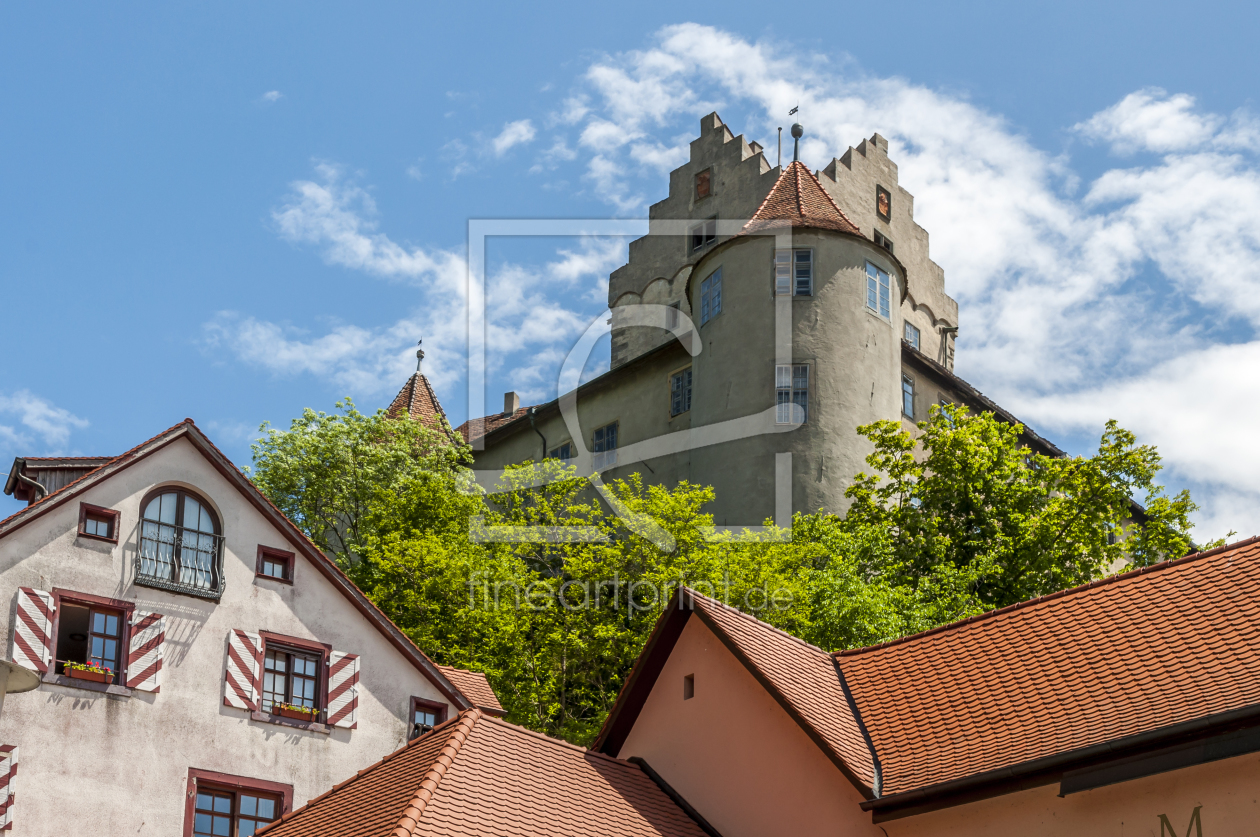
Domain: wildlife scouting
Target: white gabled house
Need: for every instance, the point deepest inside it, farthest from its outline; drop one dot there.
(247, 674)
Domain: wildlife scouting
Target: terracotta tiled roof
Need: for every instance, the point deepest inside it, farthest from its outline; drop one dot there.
(475, 687)
(799, 200)
(471, 429)
(1133, 653)
(417, 400)
(478, 775)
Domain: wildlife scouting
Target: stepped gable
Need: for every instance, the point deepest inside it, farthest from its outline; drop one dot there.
(476, 688)
(799, 200)
(1150, 649)
(479, 775)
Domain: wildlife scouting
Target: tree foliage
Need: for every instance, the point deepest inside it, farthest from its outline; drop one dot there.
(958, 521)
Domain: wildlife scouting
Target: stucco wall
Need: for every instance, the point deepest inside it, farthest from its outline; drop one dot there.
(101, 764)
(734, 754)
(1225, 790)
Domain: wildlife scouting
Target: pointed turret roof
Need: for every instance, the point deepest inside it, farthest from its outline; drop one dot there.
(799, 200)
(417, 400)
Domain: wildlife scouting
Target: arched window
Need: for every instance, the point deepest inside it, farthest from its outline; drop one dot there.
(181, 544)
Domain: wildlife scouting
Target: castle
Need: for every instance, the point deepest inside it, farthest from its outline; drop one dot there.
(768, 313)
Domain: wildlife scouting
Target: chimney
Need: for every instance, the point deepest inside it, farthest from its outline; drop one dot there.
(511, 402)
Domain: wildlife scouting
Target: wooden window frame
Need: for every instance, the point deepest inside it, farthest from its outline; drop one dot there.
(685, 391)
(278, 642)
(115, 516)
(603, 461)
(913, 394)
(906, 328)
(127, 609)
(234, 784)
(273, 553)
(707, 286)
(708, 237)
(438, 708)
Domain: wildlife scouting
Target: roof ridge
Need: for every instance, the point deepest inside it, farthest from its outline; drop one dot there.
(1058, 594)
(832, 200)
(406, 826)
(760, 622)
(559, 742)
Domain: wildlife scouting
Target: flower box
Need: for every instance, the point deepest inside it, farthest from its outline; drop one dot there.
(89, 674)
(295, 714)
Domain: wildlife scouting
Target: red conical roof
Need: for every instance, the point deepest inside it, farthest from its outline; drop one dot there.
(799, 200)
(417, 400)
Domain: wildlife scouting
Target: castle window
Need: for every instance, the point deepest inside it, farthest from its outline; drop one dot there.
(671, 316)
(274, 563)
(680, 392)
(98, 523)
(564, 452)
(704, 184)
(791, 393)
(604, 445)
(181, 545)
(794, 272)
(912, 336)
(877, 290)
(907, 396)
(703, 234)
(883, 241)
(711, 296)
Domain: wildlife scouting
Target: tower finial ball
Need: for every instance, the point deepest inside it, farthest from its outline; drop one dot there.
(797, 130)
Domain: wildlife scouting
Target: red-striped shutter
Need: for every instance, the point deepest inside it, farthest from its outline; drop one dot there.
(244, 664)
(144, 656)
(32, 630)
(343, 690)
(8, 780)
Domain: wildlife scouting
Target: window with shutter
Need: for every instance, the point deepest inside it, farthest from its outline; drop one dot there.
(240, 680)
(343, 690)
(32, 629)
(8, 780)
(144, 652)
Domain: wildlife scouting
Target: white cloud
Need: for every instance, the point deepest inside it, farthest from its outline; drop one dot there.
(513, 134)
(37, 417)
(1151, 120)
(529, 325)
(272, 96)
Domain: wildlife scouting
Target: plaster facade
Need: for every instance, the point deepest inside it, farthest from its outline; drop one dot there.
(733, 753)
(102, 763)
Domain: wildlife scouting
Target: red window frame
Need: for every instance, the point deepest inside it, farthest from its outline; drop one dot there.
(436, 707)
(270, 552)
(234, 784)
(277, 642)
(127, 609)
(87, 510)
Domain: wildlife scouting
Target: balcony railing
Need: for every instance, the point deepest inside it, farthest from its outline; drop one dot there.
(180, 560)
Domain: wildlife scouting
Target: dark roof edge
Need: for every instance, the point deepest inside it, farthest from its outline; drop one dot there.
(1049, 769)
(677, 798)
(978, 399)
(1101, 582)
(642, 677)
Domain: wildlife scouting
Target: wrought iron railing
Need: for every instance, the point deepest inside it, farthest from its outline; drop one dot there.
(180, 560)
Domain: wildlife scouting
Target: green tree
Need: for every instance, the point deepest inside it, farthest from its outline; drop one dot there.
(967, 495)
(328, 470)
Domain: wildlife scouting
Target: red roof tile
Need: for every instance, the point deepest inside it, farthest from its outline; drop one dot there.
(473, 428)
(799, 200)
(1126, 655)
(417, 400)
(475, 687)
(480, 775)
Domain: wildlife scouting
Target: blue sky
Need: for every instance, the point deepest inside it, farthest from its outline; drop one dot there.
(234, 211)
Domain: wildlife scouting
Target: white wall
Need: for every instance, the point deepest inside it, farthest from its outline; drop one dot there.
(101, 764)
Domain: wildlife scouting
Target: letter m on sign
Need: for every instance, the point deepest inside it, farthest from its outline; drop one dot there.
(1194, 829)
